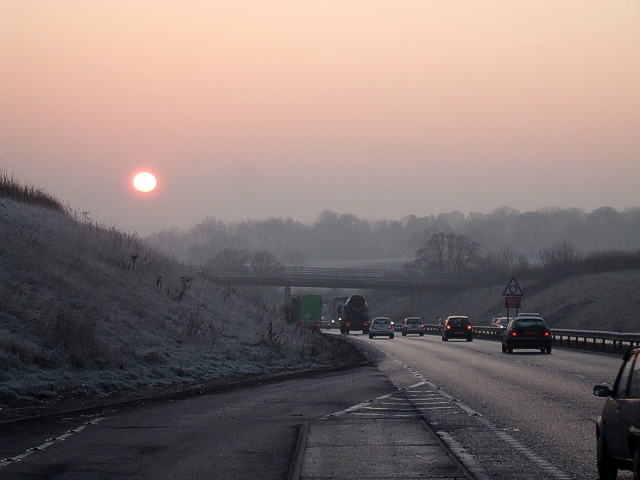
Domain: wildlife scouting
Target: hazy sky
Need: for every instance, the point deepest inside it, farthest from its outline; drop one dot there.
(255, 109)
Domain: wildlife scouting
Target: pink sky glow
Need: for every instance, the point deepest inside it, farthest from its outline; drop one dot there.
(380, 108)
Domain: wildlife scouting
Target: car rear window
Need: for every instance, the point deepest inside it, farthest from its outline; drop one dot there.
(457, 322)
(382, 320)
(414, 320)
(530, 323)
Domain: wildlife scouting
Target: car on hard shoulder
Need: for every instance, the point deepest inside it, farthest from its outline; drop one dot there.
(618, 427)
(381, 326)
(413, 325)
(457, 326)
(528, 331)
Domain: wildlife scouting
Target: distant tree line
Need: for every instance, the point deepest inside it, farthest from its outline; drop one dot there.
(456, 253)
(503, 239)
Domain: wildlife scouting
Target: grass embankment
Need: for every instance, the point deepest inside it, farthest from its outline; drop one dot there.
(89, 310)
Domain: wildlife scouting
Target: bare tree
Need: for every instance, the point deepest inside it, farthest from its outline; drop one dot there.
(447, 253)
(229, 257)
(263, 258)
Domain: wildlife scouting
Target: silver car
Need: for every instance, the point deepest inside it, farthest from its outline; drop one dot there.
(381, 326)
(412, 325)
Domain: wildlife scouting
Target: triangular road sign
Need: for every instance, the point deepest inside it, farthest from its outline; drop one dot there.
(513, 289)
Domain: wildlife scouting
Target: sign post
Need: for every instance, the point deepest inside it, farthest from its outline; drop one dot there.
(512, 296)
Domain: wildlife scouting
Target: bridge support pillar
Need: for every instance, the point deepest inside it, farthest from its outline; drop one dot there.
(287, 297)
(415, 302)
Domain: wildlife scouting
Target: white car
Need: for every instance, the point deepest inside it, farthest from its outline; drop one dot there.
(381, 326)
(500, 322)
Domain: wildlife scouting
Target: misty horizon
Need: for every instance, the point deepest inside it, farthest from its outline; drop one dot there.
(283, 109)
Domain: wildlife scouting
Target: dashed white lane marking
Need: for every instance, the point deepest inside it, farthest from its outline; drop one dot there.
(359, 406)
(543, 464)
(50, 441)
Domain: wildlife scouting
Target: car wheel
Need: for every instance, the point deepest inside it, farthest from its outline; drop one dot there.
(422, 334)
(607, 468)
(391, 336)
(445, 339)
(341, 331)
(636, 463)
(509, 348)
(370, 336)
(543, 350)
(504, 348)
(404, 334)
(548, 349)
(470, 339)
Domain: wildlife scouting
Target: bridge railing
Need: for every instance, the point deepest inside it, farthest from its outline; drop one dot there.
(296, 274)
(585, 339)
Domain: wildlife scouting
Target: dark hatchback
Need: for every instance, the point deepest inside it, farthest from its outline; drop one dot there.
(618, 427)
(457, 327)
(527, 332)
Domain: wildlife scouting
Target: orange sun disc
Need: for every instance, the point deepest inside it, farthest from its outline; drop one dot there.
(144, 182)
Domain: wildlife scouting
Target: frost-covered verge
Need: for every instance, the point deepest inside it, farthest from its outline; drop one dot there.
(87, 310)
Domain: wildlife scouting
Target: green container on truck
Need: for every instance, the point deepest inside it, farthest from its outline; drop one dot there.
(306, 310)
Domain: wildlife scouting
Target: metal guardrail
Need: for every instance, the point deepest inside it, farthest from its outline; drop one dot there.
(331, 277)
(584, 339)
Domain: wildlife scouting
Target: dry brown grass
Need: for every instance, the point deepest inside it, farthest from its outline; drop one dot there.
(11, 188)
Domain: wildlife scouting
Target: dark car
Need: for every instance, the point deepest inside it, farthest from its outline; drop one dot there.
(457, 327)
(528, 331)
(381, 326)
(412, 325)
(618, 427)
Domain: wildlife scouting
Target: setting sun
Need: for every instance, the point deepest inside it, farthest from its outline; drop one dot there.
(145, 182)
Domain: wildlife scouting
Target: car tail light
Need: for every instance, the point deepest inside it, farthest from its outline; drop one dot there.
(348, 324)
(390, 326)
(448, 327)
(375, 327)
(366, 324)
(514, 334)
(422, 327)
(546, 334)
(469, 327)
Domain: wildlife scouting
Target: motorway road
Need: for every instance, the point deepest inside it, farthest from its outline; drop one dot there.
(524, 415)
(242, 434)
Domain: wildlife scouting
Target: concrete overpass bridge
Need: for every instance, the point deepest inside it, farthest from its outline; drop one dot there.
(414, 284)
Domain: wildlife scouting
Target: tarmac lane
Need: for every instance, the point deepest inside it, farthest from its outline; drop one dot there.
(383, 438)
(243, 434)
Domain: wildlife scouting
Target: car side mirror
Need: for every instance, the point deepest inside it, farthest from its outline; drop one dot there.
(601, 391)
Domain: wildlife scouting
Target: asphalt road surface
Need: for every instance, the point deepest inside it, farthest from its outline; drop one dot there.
(242, 434)
(525, 415)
